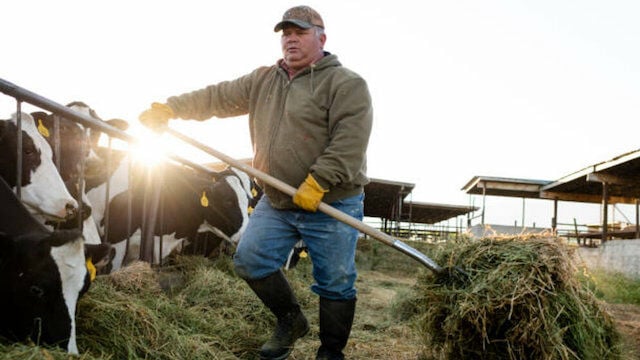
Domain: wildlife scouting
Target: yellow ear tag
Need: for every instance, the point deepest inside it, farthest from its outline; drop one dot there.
(250, 210)
(91, 269)
(254, 192)
(203, 200)
(42, 129)
(303, 254)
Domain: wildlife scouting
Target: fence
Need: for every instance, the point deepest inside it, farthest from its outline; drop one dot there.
(419, 231)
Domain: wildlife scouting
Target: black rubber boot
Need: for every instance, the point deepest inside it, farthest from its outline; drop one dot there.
(336, 318)
(276, 294)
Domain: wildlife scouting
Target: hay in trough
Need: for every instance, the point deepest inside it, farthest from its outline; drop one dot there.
(522, 300)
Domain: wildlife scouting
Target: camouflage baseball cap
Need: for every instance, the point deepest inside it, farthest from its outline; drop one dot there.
(301, 16)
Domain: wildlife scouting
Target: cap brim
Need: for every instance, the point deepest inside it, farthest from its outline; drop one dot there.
(299, 23)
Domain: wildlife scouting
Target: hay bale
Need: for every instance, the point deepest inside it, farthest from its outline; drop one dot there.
(523, 300)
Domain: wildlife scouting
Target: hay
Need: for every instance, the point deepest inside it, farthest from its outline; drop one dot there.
(207, 313)
(194, 308)
(523, 301)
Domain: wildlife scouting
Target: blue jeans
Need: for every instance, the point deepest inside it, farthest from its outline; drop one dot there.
(271, 234)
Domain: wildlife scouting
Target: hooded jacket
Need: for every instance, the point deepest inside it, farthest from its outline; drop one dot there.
(318, 122)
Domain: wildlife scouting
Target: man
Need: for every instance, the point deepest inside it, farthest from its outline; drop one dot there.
(310, 120)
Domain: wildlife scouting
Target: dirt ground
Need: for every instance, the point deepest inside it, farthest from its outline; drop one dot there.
(627, 318)
(375, 334)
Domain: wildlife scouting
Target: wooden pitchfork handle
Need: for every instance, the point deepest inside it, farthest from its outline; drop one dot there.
(323, 207)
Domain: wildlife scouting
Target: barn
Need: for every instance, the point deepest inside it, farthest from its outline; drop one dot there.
(609, 182)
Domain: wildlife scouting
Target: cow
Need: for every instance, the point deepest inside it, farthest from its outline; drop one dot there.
(209, 243)
(42, 190)
(74, 155)
(42, 275)
(190, 204)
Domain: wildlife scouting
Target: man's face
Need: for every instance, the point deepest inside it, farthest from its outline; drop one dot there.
(301, 47)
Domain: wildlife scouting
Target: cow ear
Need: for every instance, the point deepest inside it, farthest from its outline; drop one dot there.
(61, 237)
(41, 115)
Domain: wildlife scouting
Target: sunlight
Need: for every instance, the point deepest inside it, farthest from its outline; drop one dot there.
(151, 149)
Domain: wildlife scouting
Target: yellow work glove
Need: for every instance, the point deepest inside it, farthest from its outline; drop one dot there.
(157, 117)
(309, 194)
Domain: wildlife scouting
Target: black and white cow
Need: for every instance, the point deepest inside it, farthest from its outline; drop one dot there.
(190, 203)
(42, 183)
(42, 275)
(43, 191)
(74, 154)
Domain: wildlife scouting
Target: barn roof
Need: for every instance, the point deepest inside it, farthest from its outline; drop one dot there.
(431, 213)
(501, 186)
(621, 174)
(383, 198)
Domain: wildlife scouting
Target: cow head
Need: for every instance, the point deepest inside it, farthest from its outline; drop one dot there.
(73, 155)
(43, 191)
(99, 258)
(72, 140)
(230, 196)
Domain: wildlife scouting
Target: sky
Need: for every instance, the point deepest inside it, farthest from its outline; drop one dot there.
(512, 88)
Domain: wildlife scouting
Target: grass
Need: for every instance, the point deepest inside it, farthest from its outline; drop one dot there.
(373, 255)
(613, 287)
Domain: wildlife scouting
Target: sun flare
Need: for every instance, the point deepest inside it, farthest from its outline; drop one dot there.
(150, 148)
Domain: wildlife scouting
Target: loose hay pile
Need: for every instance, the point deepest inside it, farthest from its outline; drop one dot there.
(523, 300)
(191, 310)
